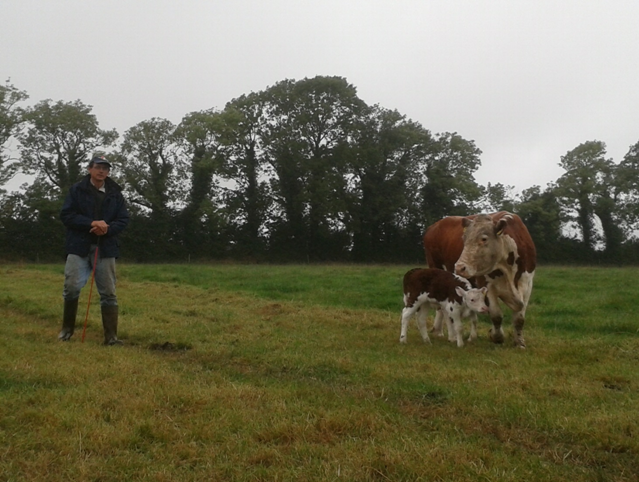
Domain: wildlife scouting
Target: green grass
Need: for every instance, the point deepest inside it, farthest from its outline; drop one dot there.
(238, 372)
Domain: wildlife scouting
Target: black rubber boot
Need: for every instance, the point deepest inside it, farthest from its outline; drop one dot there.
(110, 324)
(68, 319)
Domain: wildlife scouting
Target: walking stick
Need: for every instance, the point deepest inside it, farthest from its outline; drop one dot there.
(86, 318)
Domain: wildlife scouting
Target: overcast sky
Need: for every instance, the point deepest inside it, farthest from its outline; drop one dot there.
(527, 80)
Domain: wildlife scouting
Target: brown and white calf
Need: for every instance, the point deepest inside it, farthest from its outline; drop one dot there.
(445, 291)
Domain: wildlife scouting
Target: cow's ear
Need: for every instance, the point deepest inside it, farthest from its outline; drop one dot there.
(466, 222)
(500, 225)
(460, 291)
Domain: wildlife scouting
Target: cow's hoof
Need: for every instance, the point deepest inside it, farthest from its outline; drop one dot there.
(496, 337)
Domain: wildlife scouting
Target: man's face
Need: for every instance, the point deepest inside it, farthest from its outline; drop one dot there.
(99, 172)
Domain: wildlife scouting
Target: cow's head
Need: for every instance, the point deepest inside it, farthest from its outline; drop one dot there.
(483, 247)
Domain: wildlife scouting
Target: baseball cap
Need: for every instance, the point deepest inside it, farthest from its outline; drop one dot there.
(100, 160)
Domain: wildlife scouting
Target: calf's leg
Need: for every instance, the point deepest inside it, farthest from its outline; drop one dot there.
(452, 333)
(458, 328)
(473, 327)
(407, 313)
(422, 314)
(438, 324)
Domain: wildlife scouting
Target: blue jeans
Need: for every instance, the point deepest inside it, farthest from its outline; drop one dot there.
(77, 272)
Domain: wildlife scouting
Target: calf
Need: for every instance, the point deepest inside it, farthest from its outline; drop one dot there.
(452, 294)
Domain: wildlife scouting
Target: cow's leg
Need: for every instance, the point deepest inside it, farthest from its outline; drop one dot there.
(473, 327)
(525, 282)
(407, 313)
(519, 316)
(496, 334)
(438, 324)
(422, 314)
(518, 307)
(518, 329)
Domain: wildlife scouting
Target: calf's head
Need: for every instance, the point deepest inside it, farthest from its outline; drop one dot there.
(483, 245)
(474, 298)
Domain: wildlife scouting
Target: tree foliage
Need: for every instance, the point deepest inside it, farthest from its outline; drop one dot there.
(11, 119)
(627, 201)
(301, 171)
(540, 212)
(59, 140)
(199, 138)
(383, 182)
(587, 192)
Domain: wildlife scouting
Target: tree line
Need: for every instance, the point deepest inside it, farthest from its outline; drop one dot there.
(303, 171)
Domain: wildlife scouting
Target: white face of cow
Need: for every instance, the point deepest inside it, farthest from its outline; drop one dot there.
(475, 298)
(483, 246)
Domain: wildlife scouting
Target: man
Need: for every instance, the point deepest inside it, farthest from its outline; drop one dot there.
(94, 213)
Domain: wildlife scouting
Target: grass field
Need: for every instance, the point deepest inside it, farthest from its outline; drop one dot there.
(287, 373)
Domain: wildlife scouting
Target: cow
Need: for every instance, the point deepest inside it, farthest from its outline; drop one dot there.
(492, 250)
(448, 293)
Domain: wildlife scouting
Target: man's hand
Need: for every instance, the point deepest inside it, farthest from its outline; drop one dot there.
(99, 227)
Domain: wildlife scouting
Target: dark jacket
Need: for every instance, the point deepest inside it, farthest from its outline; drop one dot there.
(77, 216)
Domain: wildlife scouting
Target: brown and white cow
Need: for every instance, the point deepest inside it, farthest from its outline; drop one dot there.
(493, 250)
(449, 293)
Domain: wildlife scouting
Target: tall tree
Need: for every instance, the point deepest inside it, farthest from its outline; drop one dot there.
(587, 190)
(152, 170)
(200, 137)
(383, 158)
(449, 187)
(11, 118)
(154, 175)
(59, 141)
(248, 199)
(540, 212)
(628, 182)
(308, 120)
